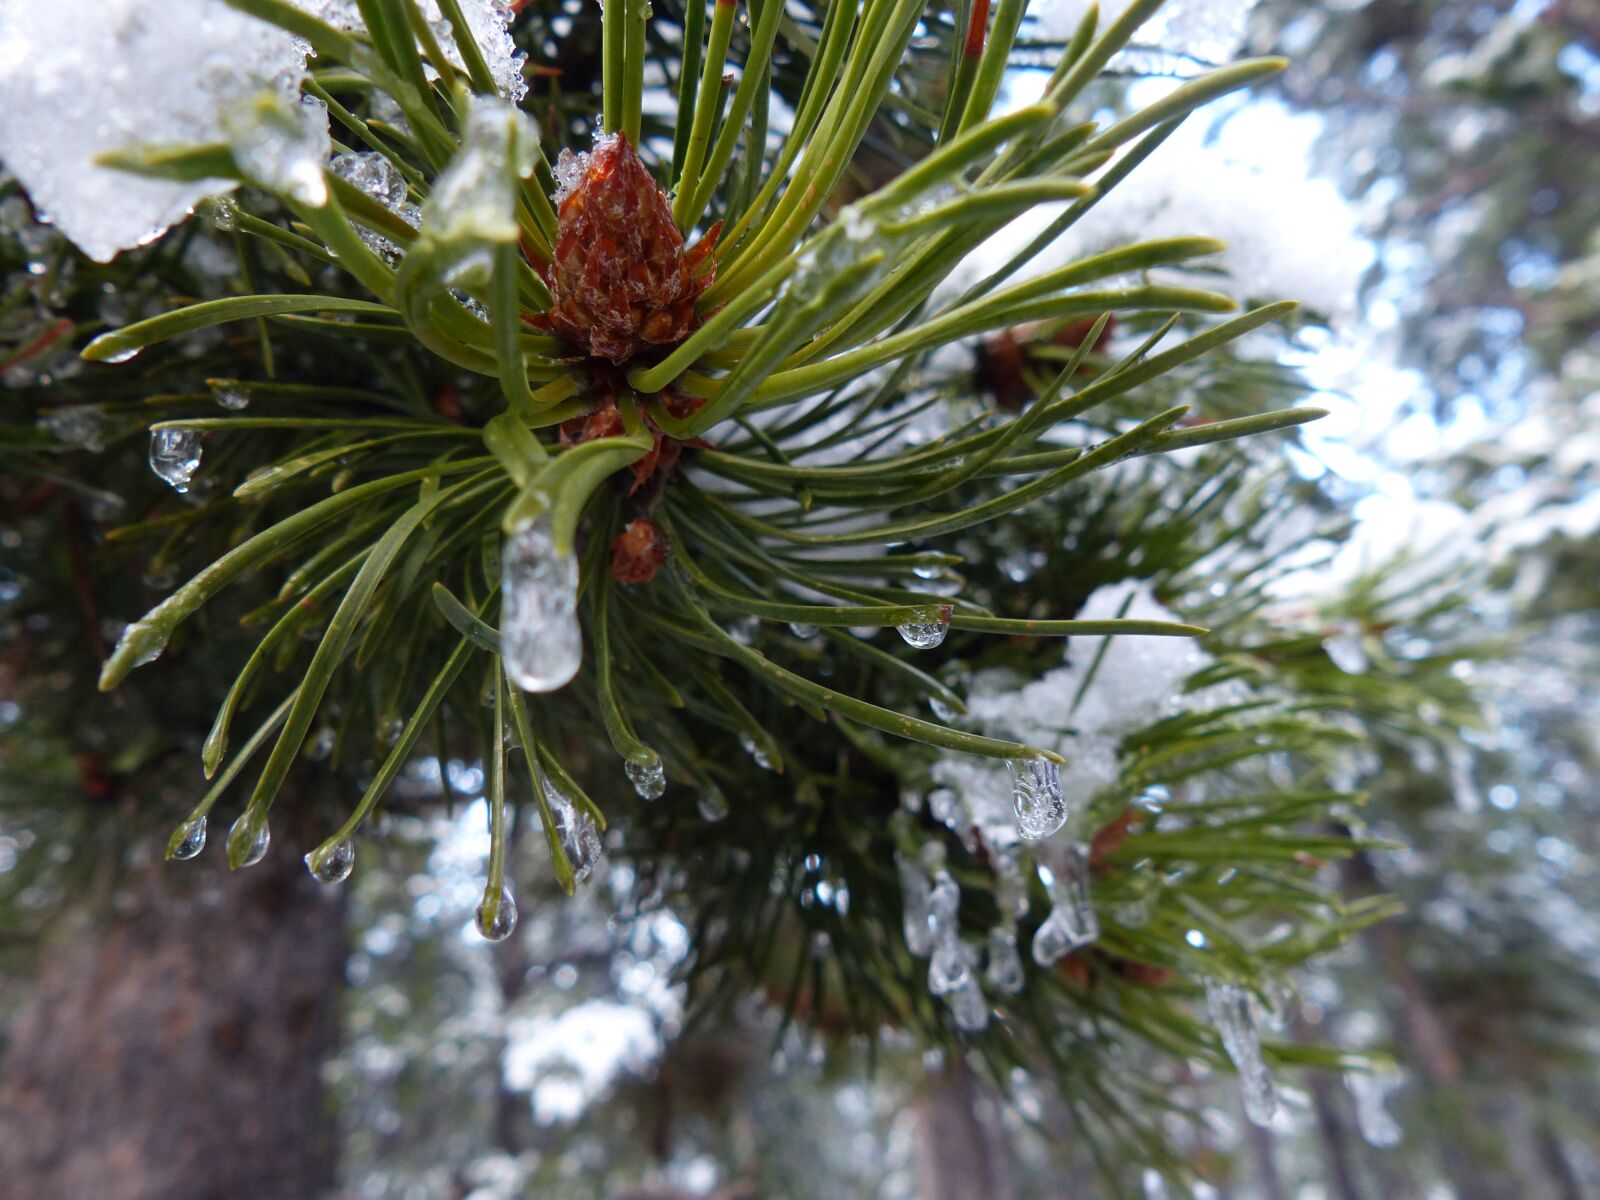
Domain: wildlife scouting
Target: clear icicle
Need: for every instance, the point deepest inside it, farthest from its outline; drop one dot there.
(496, 927)
(928, 633)
(969, 1008)
(576, 832)
(1233, 1012)
(649, 778)
(175, 456)
(474, 198)
(1004, 971)
(248, 840)
(950, 964)
(1072, 923)
(1036, 795)
(332, 863)
(539, 636)
(191, 839)
(944, 905)
(914, 892)
(1377, 1127)
(282, 146)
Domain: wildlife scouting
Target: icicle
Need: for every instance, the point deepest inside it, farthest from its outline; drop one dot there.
(928, 633)
(649, 778)
(1071, 924)
(576, 832)
(1004, 971)
(248, 840)
(332, 863)
(1372, 1118)
(1036, 795)
(949, 967)
(969, 1008)
(539, 636)
(1010, 888)
(497, 926)
(282, 147)
(191, 839)
(175, 456)
(1233, 1012)
(914, 892)
(473, 198)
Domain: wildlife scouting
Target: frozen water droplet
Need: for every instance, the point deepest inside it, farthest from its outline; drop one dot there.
(942, 710)
(1234, 1013)
(712, 806)
(497, 926)
(282, 146)
(321, 744)
(474, 198)
(576, 832)
(649, 778)
(804, 632)
(539, 636)
(1036, 796)
(332, 863)
(968, 1007)
(948, 966)
(391, 731)
(1372, 1118)
(1072, 923)
(190, 839)
(945, 807)
(230, 394)
(926, 571)
(248, 841)
(914, 892)
(127, 354)
(1344, 647)
(756, 753)
(1004, 971)
(175, 456)
(928, 633)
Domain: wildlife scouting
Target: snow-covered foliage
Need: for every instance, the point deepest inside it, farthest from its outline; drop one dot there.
(1138, 680)
(1202, 31)
(79, 78)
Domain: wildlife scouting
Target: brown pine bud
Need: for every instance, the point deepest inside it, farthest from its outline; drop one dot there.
(621, 278)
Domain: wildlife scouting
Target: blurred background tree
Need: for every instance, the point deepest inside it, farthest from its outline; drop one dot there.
(585, 1055)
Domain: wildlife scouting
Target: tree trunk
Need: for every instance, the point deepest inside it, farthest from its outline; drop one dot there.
(961, 1152)
(173, 1050)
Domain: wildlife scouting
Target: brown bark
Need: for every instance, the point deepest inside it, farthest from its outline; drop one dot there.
(961, 1150)
(173, 1050)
